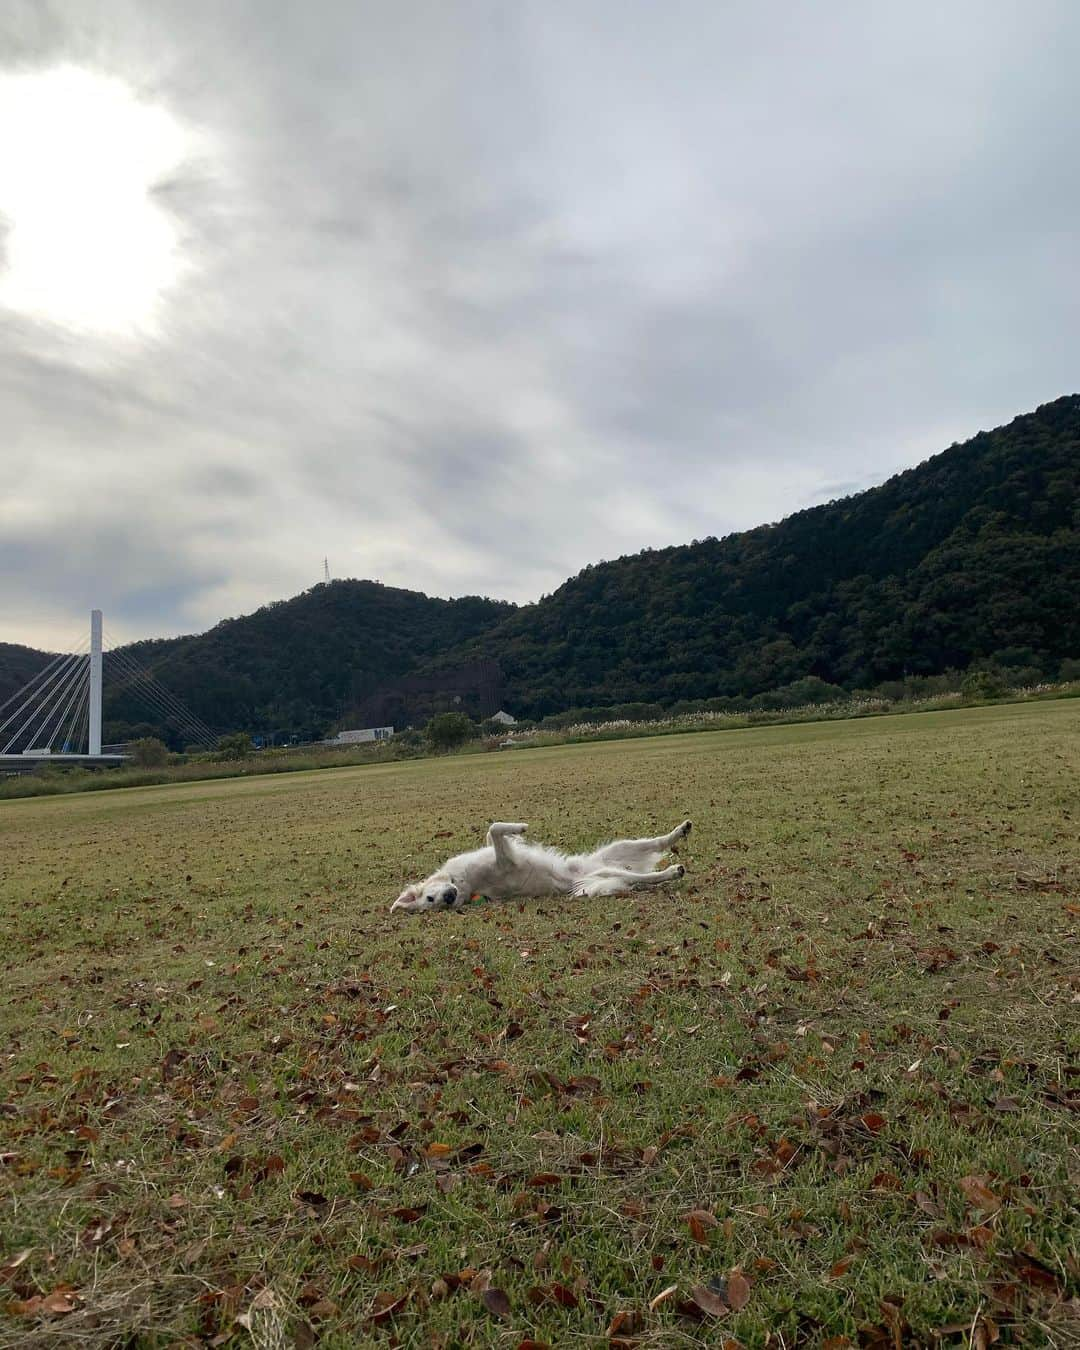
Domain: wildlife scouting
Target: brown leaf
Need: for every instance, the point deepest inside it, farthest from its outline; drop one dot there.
(699, 1221)
(59, 1301)
(386, 1305)
(980, 1195)
(873, 1122)
(543, 1180)
(709, 1302)
(496, 1302)
(1034, 1271)
(555, 1293)
(738, 1290)
(361, 1181)
(626, 1322)
(407, 1214)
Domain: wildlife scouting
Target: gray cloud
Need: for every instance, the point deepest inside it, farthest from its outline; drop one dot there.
(476, 294)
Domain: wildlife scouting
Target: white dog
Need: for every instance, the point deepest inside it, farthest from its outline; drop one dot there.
(508, 869)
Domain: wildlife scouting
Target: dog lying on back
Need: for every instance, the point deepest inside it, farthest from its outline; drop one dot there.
(509, 868)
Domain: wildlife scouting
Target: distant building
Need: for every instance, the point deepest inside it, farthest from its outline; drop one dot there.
(503, 718)
(361, 734)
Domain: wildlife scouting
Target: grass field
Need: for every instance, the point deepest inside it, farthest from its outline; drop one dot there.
(823, 1091)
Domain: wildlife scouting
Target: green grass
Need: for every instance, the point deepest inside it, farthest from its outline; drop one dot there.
(232, 1086)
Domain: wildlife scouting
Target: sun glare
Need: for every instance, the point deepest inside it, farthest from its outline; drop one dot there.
(83, 243)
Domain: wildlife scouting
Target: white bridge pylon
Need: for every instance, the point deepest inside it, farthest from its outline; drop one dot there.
(94, 695)
(56, 715)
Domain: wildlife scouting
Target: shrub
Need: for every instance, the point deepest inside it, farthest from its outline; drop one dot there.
(237, 746)
(148, 752)
(448, 730)
(983, 684)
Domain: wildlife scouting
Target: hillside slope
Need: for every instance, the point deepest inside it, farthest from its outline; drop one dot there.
(299, 664)
(296, 664)
(17, 666)
(973, 554)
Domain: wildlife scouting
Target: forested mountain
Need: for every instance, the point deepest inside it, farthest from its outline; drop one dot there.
(975, 554)
(299, 664)
(972, 556)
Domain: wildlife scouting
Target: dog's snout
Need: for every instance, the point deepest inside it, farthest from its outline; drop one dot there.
(450, 895)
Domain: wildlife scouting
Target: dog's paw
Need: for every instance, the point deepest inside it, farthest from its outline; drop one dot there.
(680, 870)
(685, 828)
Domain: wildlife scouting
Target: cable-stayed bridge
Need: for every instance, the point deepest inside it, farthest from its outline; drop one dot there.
(55, 718)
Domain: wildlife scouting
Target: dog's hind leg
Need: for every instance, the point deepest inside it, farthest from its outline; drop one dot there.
(638, 853)
(499, 835)
(620, 880)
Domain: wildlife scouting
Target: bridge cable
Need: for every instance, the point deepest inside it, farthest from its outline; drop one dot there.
(47, 692)
(178, 709)
(32, 681)
(166, 702)
(71, 722)
(81, 687)
(32, 693)
(57, 703)
(157, 699)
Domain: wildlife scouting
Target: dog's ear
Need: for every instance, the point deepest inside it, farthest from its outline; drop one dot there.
(407, 899)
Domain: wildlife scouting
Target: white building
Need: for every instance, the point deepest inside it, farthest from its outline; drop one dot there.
(360, 735)
(503, 718)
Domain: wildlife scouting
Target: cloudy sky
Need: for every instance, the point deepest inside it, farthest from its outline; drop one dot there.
(464, 294)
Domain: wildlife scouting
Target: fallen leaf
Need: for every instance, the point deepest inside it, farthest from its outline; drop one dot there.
(738, 1289)
(60, 1301)
(626, 1322)
(709, 1302)
(407, 1214)
(663, 1296)
(699, 1221)
(385, 1305)
(980, 1195)
(496, 1302)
